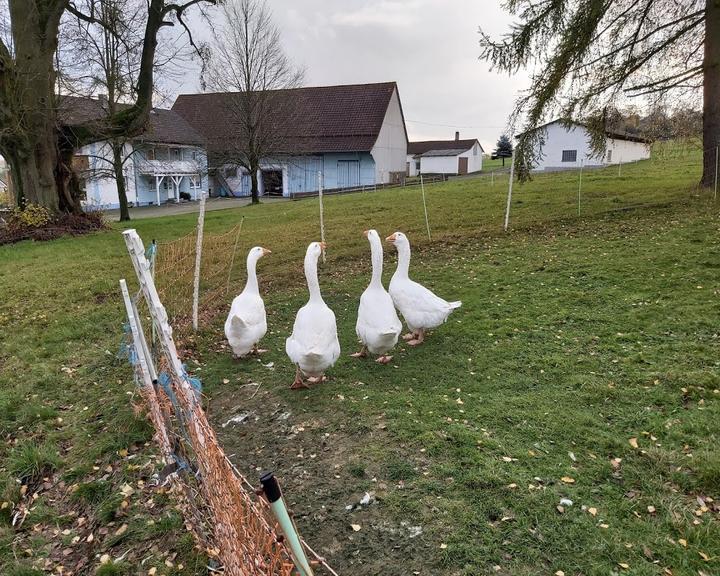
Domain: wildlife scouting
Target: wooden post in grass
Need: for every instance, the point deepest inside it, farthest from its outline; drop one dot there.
(198, 259)
(509, 197)
(322, 212)
(427, 221)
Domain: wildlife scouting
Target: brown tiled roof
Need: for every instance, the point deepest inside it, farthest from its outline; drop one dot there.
(427, 145)
(310, 120)
(164, 126)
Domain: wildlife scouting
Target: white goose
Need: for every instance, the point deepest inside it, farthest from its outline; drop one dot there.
(378, 325)
(313, 345)
(421, 309)
(247, 324)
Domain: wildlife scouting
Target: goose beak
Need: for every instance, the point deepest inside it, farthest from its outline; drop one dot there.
(365, 233)
(266, 251)
(323, 245)
(391, 238)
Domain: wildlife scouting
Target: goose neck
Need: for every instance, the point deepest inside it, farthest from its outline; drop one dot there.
(311, 274)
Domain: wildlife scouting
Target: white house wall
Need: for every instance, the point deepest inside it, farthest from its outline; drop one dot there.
(439, 164)
(623, 151)
(474, 156)
(101, 192)
(410, 166)
(390, 150)
(559, 138)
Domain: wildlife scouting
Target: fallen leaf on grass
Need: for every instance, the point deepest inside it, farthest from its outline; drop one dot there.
(120, 531)
(568, 480)
(559, 573)
(651, 509)
(355, 527)
(593, 511)
(633, 442)
(682, 542)
(704, 556)
(624, 566)
(105, 559)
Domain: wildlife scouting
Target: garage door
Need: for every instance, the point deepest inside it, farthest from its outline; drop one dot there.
(348, 174)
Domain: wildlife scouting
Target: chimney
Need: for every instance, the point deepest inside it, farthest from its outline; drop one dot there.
(457, 136)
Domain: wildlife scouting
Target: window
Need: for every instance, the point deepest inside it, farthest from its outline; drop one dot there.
(417, 165)
(475, 150)
(230, 172)
(609, 156)
(569, 155)
(175, 154)
(150, 154)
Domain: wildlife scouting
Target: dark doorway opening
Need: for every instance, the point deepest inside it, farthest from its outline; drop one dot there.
(273, 182)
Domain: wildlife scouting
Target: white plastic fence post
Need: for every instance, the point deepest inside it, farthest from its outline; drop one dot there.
(580, 186)
(198, 260)
(492, 178)
(427, 221)
(717, 149)
(322, 211)
(509, 197)
(620, 167)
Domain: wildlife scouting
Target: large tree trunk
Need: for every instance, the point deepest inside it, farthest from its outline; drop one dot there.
(255, 189)
(31, 91)
(118, 167)
(711, 92)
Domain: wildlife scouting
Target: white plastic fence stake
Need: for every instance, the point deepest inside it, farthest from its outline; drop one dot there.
(580, 186)
(492, 178)
(717, 149)
(620, 167)
(509, 197)
(322, 211)
(427, 221)
(198, 260)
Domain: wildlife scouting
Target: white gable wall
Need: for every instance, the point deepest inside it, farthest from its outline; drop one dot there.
(474, 156)
(390, 149)
(559, 138)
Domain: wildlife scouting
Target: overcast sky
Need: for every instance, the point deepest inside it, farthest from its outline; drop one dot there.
(429, 47)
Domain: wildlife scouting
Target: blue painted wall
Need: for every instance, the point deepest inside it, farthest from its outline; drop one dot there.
(300, 173)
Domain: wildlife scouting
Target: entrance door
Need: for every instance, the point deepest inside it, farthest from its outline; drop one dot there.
(273, 182)
(348, 174)
(462, 165)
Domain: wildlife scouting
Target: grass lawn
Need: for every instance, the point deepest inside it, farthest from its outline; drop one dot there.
(582, 365)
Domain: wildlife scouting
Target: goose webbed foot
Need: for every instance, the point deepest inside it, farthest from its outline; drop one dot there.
(419, 338)
(408, 336)
(317, 379)
(384, 359)
(298, 384)
(361, 354)
(257, 351)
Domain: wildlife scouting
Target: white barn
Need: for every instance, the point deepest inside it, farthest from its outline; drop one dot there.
(448, 157)
(569, 147)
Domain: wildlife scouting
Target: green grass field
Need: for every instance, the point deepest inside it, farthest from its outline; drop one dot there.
(582, 365)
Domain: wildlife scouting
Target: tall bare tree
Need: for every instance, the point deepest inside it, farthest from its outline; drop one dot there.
(36, 146)
(587, 56)
(248, 59)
